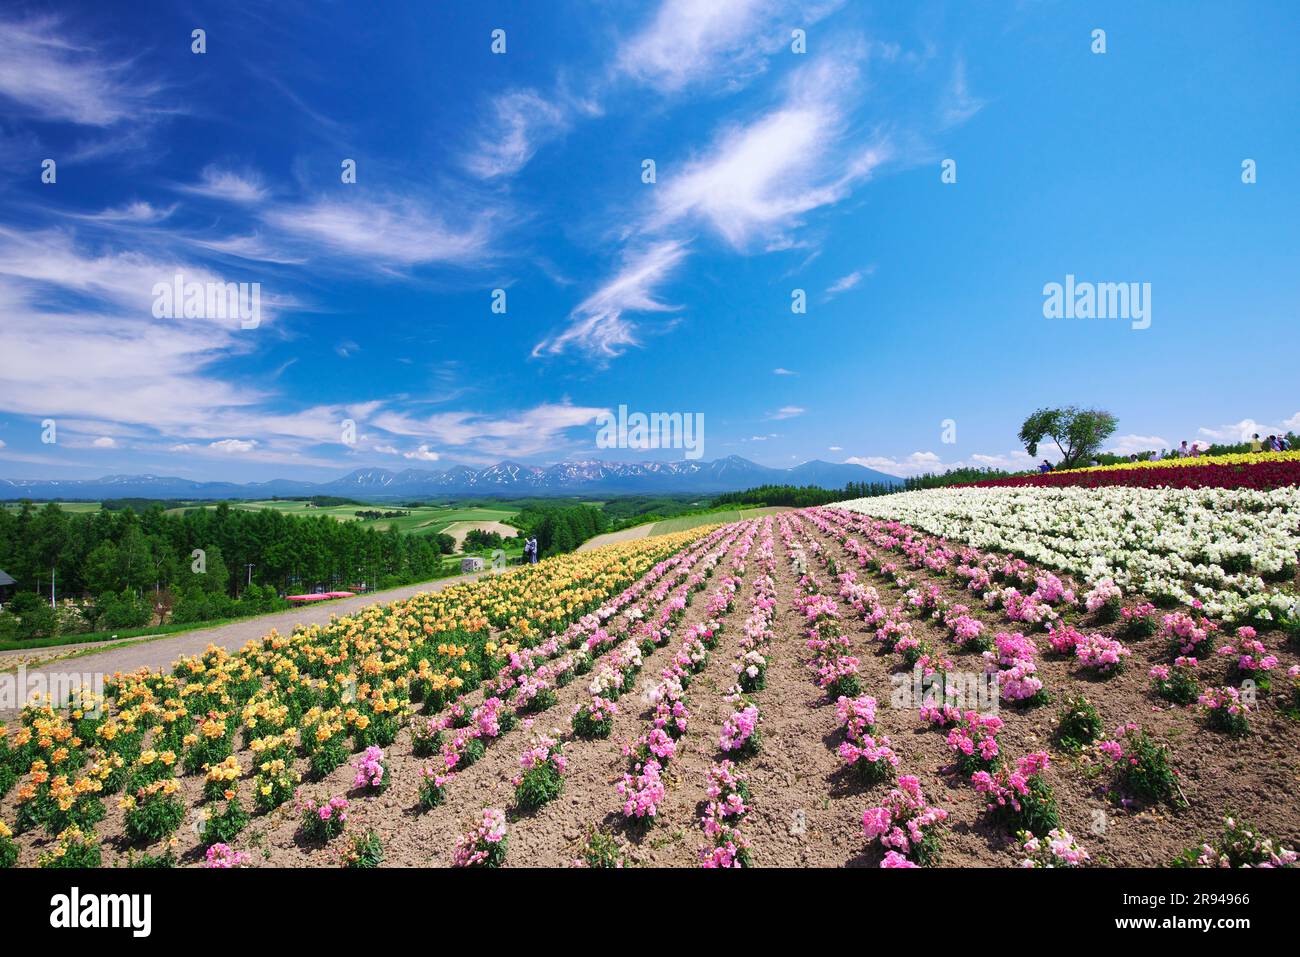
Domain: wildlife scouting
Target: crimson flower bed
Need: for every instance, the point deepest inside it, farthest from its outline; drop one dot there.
(1261, 475)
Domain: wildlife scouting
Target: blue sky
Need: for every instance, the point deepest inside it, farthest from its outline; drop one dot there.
(522, 171)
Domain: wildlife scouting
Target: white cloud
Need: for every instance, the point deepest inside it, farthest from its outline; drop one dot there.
(422, 454)
(532, 431)
(922, 462)
(385, 233)
(1128, 444)
(835, 448)
(387, 449)
(105, 442)
(131, 214)
(598, 326)
(844, 283)
(780, 371)
(758, 180)
(960, 104)
(47, 74)
(786, 412)
(234, 446)
(1246, 428)
(522, 121)
(228, 185)
(721, 42)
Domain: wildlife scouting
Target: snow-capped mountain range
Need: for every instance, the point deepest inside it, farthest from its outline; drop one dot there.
(503, 479)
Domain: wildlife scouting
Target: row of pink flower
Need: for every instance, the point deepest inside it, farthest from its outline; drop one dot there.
(727, 846)
(904, 823)
(527, 669)
(642, 790)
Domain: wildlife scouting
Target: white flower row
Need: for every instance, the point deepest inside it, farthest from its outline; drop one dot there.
(1213, 544)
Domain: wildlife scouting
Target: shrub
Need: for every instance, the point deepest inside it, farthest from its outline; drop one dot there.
(225, 826)
(601, 850)
(73, 849)
(1226, 710)
(321, 822)
(594, 719)
(1238, 846)
(542, 776)
(1021, 796)
(154, 811)
(433, 788)
(1178, 683)
(1079, 724)
(1142, 765)
(366, 851)
(8, 849)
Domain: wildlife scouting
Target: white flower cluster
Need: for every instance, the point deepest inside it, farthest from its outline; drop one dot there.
(1213, 544)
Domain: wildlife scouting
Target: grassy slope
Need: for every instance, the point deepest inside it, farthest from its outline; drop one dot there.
(423, 521)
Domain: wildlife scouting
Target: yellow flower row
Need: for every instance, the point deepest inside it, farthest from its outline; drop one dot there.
(1236, 458)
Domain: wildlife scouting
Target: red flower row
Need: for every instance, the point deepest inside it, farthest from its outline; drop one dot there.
(1259, 475)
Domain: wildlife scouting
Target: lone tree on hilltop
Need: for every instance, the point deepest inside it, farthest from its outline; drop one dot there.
(1078, 433)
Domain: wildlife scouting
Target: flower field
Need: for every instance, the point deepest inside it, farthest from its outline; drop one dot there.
(1018, 677)
(1259, 471)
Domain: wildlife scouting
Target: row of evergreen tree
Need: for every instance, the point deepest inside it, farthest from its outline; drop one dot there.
(196, 561)
(560, 528)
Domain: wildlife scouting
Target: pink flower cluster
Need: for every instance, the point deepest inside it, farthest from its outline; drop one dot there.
(1012, 660)
(482, 844)
(1249, 651)
(1104, 593)
(1059, 850)
(904, 823)
(1189, 634)
(1102, 654)
(642, 791)
(370, 769)
(224, 857)
(1007, 786)
(975, 739)
(738, 728)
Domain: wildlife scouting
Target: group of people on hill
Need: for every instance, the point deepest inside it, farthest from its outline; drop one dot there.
(1274, 443)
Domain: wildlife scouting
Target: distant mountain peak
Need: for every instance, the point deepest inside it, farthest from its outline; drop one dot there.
(730, 474)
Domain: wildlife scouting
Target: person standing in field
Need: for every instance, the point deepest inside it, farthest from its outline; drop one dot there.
(1255, 444)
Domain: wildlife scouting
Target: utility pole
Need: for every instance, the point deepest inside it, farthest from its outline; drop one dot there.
(52, 603)
(250, 573)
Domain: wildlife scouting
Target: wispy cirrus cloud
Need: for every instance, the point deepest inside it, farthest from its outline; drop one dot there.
(228, 185)
(387, 233)
(48, 74)
(786, 412)
(722, 42)
(960, 104)
(522, 120)
(760, 178)
(600, 326)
